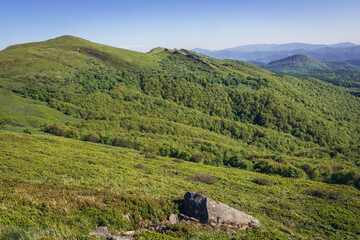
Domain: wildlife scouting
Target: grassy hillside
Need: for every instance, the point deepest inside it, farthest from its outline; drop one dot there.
(192, 107)
(182, 109)
(339, 73)
(63, 188)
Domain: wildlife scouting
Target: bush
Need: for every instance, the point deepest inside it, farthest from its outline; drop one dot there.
(140, 166)
(321, 173)
(2, 123)
(264, 181)
(325, 194)
(120, 142)
(205, 178)
(197, 158)
(238, 162)
(308, 168)
(93, 137)
(57, 129)
(150, 155)
(27, 131)
(269, 167)
(349, 177)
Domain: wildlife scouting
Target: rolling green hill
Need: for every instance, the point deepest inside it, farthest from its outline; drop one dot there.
(176, 107)
(339, 73)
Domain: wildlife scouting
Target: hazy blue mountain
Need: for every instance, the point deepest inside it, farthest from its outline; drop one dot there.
(271, 52)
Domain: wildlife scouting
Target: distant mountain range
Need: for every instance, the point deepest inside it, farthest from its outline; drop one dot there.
(266, 53)
(339, 73)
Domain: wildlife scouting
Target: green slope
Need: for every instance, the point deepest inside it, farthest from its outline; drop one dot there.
(232, 110)
(19, 111)
(178, 104)
(339, 73)
(64, 188)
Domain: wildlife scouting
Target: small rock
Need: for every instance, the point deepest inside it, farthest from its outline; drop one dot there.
(230, 231)
(173, 218)
(127, 217)
(100, 231)
(129, 233)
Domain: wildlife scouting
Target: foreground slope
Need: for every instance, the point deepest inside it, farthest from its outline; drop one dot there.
(64, 188)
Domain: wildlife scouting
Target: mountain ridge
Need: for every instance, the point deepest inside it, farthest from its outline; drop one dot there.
(185, 90)
(271, 52)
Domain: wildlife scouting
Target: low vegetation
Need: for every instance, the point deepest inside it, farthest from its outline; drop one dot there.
(64, 188)
(142, 129)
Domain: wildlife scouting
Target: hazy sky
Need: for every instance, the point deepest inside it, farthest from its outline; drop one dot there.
(213, 24)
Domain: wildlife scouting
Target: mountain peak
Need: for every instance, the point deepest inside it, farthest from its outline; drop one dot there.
(300, 58)
(296, 62)
(67, 39)
(158, 50)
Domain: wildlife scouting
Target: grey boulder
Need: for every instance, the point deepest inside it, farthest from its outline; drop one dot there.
(210, 211)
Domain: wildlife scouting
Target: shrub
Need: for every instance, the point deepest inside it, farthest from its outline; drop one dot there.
(264, 181)
(268, 167)
(325, 194)
(150, 155)
(140, 166)
(321, 173)
(197, 158)
(205, 178)
(308, 168)
(2, 123)
(93, 137)
(239, 162)
(120, 142)
(57, 129)
(292, 172)
(27, 131)
(349, 177)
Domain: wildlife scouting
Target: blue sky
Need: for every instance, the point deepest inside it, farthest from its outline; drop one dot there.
(141, 25)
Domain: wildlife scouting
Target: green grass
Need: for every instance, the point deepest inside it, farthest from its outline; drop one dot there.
(19, 111)
(156, 115)
(63, 187)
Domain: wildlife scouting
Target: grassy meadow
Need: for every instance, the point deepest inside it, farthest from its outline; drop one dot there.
(62, 188)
